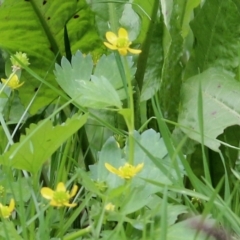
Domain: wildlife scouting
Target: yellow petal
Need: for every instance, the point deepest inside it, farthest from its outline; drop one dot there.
(111, 37)
(139, 167)
(13, 82)
(73, 191)
(55, 204)
(11, 205)
(47, 192)
(61, 187)
(18, 86)
(122, 51)
(134, 51)
(70, 204)
(110, 46)
(122, 33)
(111, 169)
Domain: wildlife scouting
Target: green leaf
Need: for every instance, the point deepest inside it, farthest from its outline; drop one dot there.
(20, 190)
(39, 143)
(110, 16)
(14, 110)
(37, 27)
(112, 154)
(172, 69)
(135, 201)
(69, 74)
(216, 30)
(105, 88)
(8, 231)
(130, 21)
(148, 11)
(149, 141)
(152, 75)
(150, 149)
(97, 93)
(221, 109)
(191, 4)
(108, 68)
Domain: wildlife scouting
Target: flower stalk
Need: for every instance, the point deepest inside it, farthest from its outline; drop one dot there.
(131, 108)
(121, 43)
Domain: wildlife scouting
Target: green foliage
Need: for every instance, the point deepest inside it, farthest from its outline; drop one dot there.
(132, 198)
(150, 72)
(172, 68)
(37, 28)
(105, 88)
(220, 94)
(39, 143)
(79, 158)
(8, 231)
(216, 37)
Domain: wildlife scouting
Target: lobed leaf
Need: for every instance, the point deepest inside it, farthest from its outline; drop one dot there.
(105, 88)
(39, 143)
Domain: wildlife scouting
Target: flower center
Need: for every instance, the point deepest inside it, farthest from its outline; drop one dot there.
(123, 43)
(128, 171)
(14, 82)
(61, 197)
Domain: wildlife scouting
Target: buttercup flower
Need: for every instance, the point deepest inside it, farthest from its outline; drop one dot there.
(128, 171)
(110, 207)
(13, 83)
(6, 211)
(120, 42)
(60, 197)
(22, 57)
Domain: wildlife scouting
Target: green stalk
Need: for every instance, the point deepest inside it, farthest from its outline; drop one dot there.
(61, 222)
(77, 234)
(112, 16)
(5, 128)
(62, 175)
(130, 117)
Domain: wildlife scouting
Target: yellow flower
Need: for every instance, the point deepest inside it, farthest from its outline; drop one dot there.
(128, 171)
(110, 207)
(6, 211)
(120, 42)
(22, 57)
(61, 196)
(12, 81)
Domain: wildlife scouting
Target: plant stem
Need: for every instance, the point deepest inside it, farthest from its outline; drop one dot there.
(130, 117)
(5, 128)
(112, 16)
(79, 233)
